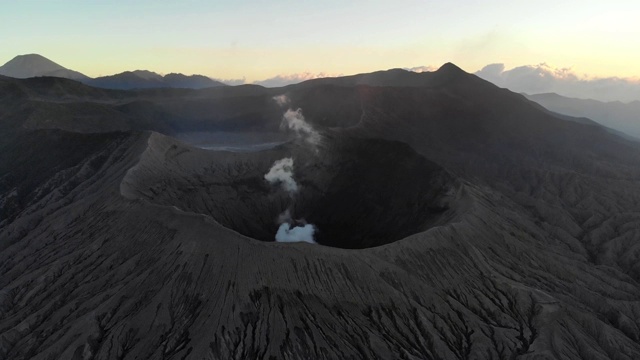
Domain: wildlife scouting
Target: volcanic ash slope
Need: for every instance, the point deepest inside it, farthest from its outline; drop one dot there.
(101, 266)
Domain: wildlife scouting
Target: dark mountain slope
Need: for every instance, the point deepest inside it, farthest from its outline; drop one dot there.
(56, 103)
(448, 74)
(575, 179)
(41, 161)
(135, 253)
(122, 277)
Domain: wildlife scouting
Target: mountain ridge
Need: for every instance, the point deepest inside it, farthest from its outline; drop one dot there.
(144, 79)
(35, 65)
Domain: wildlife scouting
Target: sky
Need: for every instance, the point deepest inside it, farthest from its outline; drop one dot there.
(252, 40)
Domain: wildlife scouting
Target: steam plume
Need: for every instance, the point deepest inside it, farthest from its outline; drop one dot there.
(294, 120)
(285, 217)
(281, 100)
(281, 172)
(286, 233)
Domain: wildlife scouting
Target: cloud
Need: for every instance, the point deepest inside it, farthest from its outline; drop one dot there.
(233, 82)
(287, 233)
(288, 79)
(294, 120)
(421, 69)
(281, 173)
(543, 78)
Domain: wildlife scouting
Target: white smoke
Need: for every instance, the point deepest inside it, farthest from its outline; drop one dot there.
(304, 233)
(288, 232)
(285, 217)
(281, 100)
(281, 172)
(294, 120)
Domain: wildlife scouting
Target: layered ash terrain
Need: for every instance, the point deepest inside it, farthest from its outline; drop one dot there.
(455, 220)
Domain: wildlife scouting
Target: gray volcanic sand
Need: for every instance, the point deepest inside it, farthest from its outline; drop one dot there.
(125, 245)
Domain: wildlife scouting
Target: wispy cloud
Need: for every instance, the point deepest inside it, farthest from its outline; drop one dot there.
(233, 82)
(421, 69)
(543, 78)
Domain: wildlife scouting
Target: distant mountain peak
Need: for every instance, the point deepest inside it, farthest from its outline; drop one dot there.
(32, 65)
(147, 75)
(450, 68)
(32, 57)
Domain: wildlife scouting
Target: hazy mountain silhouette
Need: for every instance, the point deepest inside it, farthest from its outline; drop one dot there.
(624, 117)
(34, 65)
(26, 66)
(143, 79)
(447, 73)
(479, 225)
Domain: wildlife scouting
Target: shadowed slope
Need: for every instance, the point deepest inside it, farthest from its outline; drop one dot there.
(537, 260)
(128, 278)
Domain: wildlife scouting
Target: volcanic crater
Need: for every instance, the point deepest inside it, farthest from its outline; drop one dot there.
(357, 192)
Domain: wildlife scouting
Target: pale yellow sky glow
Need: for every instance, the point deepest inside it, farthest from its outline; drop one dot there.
(255, 40)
